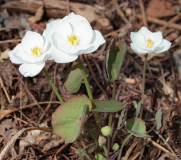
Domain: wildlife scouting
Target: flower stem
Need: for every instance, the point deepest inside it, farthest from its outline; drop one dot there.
(53, 86)
(85, 79)
(124, 142)
(96, 115)
(143, 79)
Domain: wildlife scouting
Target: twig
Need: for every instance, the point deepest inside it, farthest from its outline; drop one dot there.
(61, 148)
(174, 19)
(29, 106)
(94, 77)
(68, 7)
(10, 41)
(161, 22)
(170, 148)
(143, 13)
(161, 148)
(51, 97)
(4, 89)
(27, 90)
(16, 136)
(121, 14)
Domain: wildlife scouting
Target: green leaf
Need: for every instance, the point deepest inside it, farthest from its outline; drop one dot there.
(69, 117)
(159, 119)
(136, 126)
(99, 157)
(114, 59)
(122, 118)
(137, 106)
(108, 106)
(73, 80)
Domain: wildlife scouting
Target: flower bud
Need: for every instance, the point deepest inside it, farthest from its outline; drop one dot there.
(115, 147)
(101, 141)
(106, 131)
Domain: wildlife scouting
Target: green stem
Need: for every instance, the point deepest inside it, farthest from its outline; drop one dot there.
(96, 115)
(105, 150)
(85, 79)
(53, 86)
(143, 79)
(113, 98)
(122, 146)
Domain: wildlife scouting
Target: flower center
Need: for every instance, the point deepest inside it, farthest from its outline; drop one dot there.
(148, 43)
(73, 39)
(36, 51)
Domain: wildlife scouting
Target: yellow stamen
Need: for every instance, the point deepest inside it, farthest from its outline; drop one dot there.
(73, 39)
(148, 43)
(36, 51)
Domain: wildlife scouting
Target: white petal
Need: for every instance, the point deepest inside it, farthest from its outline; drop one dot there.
(60, 26)
(138, 39)
(137, 49)
(83, 30)
(60, 43)
(73, 18)
(96, 42)
(144, 31)
(23, 57)
(31, 70)
(31, 40)
(157, 38)
(62, 57)
(11, 55)
(163, 47)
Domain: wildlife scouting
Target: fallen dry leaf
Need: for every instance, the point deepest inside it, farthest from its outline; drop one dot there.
(177, 59)
(44, 140)
(3, 113)
(4, 55)
(38, 15)
(160, 8)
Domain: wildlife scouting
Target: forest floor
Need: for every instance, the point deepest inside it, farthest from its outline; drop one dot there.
(30, 102)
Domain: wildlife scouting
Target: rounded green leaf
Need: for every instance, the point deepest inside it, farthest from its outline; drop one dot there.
(136, 126)
(108, 106)
(114, 59)
(69, 117)
(73, 80)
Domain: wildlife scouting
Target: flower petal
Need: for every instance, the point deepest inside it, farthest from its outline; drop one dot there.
(97, 41)
(137, 49)
(60, 43)
(163, 47)
(60, 26)
(83, 31)
(31, 70)
(23, 57)
(31, 40)
(11, 54)
(144, 31)
(62, 57)
(157, 38)
(138, 39)
(73, 18)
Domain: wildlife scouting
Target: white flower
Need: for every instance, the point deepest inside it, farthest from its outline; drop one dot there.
(145, 41)
(32, 53)
(72, 36)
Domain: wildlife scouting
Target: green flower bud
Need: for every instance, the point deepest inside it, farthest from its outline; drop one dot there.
(106, 131)
(115, 147)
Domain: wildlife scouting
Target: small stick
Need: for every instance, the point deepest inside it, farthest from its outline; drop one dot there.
(161, 148)
(121, 14)
(143, 13)
(94, 77)
(5, 91)
(10, 41)
(161, 22)
(68, 7)
(27, 90)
